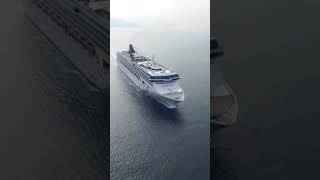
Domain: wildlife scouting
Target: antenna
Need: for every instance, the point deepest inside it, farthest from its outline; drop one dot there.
(153, 62)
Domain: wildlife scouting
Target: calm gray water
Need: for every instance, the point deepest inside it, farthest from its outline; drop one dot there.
(272, 62)
(147, 140)
(53, 124)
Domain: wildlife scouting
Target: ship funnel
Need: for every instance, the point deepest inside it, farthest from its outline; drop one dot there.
(131, 49)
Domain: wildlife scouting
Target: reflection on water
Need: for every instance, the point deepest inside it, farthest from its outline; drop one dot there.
(148, 140)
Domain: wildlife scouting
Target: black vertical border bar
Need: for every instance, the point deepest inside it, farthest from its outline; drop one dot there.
(211, 129)
(108, 104)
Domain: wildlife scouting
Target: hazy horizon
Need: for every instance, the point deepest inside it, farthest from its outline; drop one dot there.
(165, 14)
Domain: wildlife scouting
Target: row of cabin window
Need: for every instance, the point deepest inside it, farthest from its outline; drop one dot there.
(74, 34)
(82, 39)
(164, 77)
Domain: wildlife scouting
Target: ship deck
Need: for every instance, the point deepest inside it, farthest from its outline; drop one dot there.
(146, 65)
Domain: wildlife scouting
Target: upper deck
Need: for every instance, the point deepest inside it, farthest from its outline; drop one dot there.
(149, 66)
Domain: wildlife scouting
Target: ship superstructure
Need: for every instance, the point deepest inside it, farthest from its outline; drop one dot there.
(158, 81)
(80, 29)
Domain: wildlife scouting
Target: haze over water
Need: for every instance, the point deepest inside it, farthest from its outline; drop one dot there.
(148, 140)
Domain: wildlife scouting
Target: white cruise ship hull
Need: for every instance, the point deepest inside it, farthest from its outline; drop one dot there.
(154, 91)
(166, 101)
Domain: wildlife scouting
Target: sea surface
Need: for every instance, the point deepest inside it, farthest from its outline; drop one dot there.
(272, 63)
(53, 124)
(148, 140)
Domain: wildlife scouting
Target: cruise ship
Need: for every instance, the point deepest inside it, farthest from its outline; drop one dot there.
(80, 29)
(158, 81)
